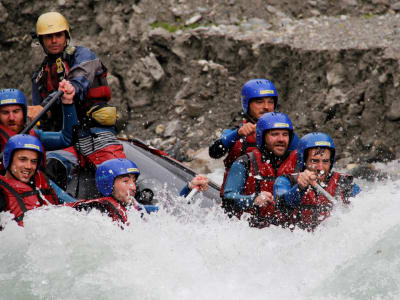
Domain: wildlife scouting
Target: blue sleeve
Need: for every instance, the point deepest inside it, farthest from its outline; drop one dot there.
(62, 196)
(356, 190)
(284, 189)
(151, 208)
(58, 140)
(229, 137)
(82, 73)
(234, 185)
(185, 191)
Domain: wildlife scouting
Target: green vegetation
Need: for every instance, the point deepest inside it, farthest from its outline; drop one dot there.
(175, 27)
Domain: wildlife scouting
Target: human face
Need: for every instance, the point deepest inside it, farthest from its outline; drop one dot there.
(260, 106)
(24, 164)
(277, 141)
(319, 161)
(12, 117)
(125, 188)
(55, 42)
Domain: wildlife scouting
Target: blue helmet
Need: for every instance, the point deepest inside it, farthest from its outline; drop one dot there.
(13, 97)
(258, 88)
(272, 120)
(109, 170)
(314, 140)
(22, 142)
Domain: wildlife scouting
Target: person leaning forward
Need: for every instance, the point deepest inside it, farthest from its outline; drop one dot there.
(249, 184)
(306, 206)
(96, 139)
(258, 96)
(116, 181)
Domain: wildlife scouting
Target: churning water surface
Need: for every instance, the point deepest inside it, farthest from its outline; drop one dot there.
(188, 252)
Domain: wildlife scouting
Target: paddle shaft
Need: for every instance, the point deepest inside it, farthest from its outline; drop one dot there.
(323, 192)
(192, 194)
(45, 109)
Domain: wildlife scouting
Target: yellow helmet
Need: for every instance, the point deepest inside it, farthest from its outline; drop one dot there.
(52, 22)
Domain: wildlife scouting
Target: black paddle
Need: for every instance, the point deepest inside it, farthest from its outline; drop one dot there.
(53, 99)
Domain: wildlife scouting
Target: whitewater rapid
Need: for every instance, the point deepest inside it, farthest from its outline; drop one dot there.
(187, 252)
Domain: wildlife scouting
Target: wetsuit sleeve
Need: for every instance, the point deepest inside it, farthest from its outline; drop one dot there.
(81, 75)
(185, 191)
(151, 208)
(356, 190)
(235, 183)
(62, 139)
(221, 146)
(62, 196)
(283, 189)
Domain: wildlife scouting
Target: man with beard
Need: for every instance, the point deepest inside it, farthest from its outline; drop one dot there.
(258, 96)
(249, 184)
(306, 206)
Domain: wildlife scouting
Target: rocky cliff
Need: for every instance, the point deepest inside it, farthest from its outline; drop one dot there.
(176, 67)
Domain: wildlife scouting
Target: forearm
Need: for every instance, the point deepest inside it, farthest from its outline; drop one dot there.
(234, 186)
(220, 147)
(283, 189)
(185, 191)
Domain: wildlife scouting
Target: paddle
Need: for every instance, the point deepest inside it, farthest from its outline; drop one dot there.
(53, 99)
(192, 194)
(323, 192)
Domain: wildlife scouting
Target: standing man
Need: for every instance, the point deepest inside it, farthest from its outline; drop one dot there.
(307, 207)
(95, 137)
(249, 184)
(24, 186)
(258, 96)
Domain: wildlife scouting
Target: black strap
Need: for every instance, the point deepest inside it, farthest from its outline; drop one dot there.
(17, 196)
(114, 209)
(3, 132)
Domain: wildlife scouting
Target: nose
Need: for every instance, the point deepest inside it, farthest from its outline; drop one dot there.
(11, 116)
(53, 38)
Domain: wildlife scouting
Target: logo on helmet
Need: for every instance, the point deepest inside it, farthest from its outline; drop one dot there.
(281, 125)
(323, 143)
(32, 146)
(8, 101)
(267, 92)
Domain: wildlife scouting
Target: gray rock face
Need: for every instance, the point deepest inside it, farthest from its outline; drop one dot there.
(177, 67)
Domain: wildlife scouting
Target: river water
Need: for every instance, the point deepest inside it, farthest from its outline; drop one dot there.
(187, 252)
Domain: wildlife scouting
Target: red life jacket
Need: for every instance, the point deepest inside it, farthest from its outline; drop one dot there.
(106, 204)
(241, 147)
(52, 74)
(21, 197)
(314, 207)
(262, 176)
(6, 133)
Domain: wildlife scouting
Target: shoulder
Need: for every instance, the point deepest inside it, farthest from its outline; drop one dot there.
(83, 54)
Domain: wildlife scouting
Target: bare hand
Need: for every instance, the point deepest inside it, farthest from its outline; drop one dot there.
(247, 129)
(200, 181)
(306, 178)
(33, 111)
(69, 91)
(263, 199)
